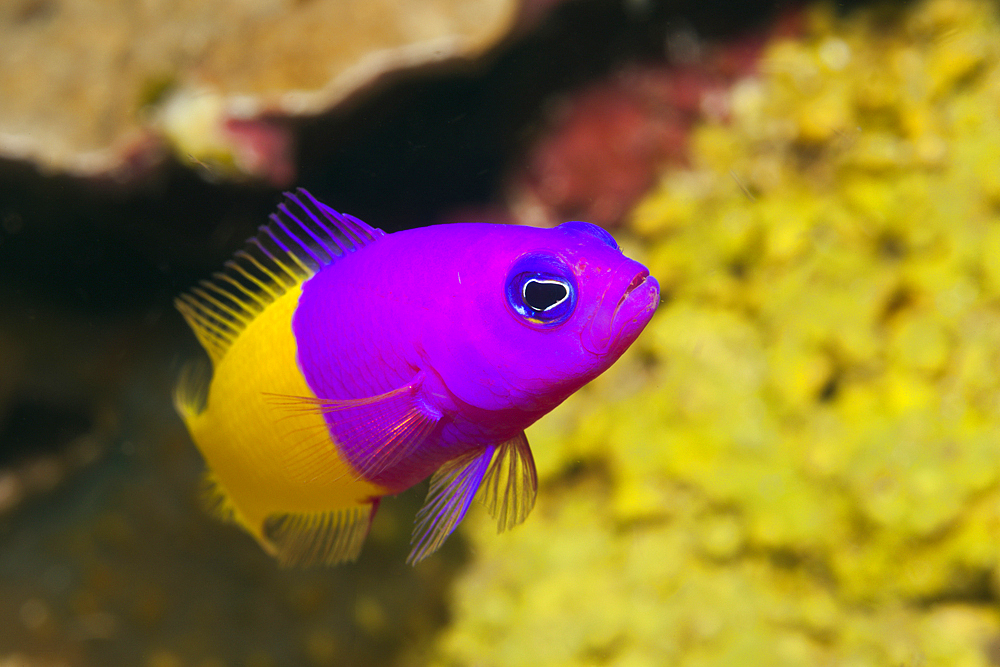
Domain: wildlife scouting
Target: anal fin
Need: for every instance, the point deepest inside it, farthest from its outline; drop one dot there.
(319, 538)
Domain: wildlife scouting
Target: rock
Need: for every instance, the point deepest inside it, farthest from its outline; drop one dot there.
(105, 88)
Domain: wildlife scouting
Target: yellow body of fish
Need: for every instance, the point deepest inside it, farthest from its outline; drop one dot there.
(258, 431)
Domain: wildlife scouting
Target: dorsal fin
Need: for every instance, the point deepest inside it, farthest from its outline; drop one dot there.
(304, 235)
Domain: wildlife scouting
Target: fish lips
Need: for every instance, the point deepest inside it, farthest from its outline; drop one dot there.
(625, 309)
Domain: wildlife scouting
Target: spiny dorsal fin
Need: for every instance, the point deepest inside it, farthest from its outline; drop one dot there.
(304, 235)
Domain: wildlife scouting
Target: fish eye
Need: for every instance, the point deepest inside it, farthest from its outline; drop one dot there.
(543, 295)
(541, 290)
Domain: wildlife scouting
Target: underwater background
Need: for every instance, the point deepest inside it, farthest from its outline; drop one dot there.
(798, 463)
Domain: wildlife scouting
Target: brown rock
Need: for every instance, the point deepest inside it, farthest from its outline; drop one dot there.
(92, 87)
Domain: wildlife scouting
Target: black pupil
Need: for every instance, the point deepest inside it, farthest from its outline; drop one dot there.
(542, 296)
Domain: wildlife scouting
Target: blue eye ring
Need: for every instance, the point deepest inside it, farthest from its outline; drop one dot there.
(541, 290)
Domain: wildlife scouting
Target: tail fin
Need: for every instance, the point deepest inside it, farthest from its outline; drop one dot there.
(191, 393)
(216, 500)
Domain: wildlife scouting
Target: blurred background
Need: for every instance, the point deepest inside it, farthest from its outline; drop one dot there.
(798, 463)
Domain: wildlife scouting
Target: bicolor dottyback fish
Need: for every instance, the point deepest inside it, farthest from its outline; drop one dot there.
(349, 364)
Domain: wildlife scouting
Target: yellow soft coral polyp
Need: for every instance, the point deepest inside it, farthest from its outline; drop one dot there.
(815, 447)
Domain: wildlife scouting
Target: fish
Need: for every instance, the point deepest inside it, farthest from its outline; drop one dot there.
(348, 364)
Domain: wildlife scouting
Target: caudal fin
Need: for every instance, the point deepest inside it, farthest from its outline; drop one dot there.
(191, 393)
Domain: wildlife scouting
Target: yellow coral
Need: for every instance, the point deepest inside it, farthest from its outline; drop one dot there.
(808, 472)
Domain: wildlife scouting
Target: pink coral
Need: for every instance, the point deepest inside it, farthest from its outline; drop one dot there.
(606, 142)
(263, 149)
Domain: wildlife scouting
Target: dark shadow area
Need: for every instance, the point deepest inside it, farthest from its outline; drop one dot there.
(401, 154)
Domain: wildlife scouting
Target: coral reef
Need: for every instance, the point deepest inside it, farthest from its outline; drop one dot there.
(798, 464)
(602, 145)
(95, 88)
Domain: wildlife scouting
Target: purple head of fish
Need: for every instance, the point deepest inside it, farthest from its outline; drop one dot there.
(552, 309)
(500, 322)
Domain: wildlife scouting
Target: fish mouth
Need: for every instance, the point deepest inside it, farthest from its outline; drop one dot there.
(613, 329)
(637, 281)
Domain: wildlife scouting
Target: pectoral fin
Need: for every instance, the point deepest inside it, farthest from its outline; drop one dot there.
(506, 474)
(372, 434)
